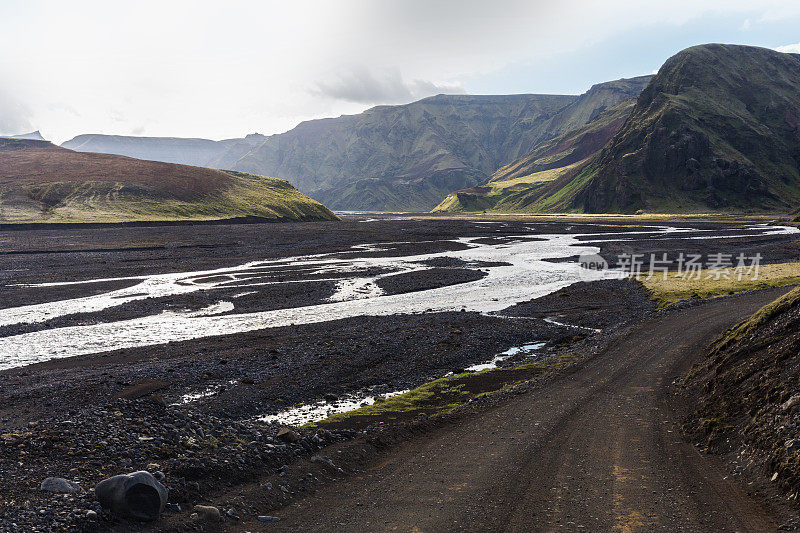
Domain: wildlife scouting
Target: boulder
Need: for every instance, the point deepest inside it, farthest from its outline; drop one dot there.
(138, 495)
(60, 485)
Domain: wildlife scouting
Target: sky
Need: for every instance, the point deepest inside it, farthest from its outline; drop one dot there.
(223, 69)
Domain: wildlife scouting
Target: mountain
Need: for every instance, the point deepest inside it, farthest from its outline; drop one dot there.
(513, 187)
(197, 152)
(35, 136)
(404, 157)
(409, 157)
(41, 182)
(716, 130)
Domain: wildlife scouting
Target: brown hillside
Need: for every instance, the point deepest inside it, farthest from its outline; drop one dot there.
(40, 182)
(26, 162)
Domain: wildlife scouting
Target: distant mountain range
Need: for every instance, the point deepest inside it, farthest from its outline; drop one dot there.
(41, 182)
(715, 130)
(405, 157)
(35, 136)
(197, 152)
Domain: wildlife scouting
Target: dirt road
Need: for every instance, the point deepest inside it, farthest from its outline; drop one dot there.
(597, 450)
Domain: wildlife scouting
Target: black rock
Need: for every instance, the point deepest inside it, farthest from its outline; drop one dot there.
(138, 495)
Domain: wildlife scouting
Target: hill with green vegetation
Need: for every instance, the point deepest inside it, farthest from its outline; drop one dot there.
(715, 131)
(405, 157)
(41, 182)
(513, 187)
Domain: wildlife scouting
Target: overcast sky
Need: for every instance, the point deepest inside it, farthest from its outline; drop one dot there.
(220, 69)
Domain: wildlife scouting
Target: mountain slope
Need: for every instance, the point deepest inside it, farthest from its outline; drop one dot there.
(716, 130)
(409, 157)
(40, 182)
(197, 152)
(405, 157)
(512, 186)
(749, 393)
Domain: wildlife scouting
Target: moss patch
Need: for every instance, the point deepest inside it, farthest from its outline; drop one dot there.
(442, 395)
(675, 289)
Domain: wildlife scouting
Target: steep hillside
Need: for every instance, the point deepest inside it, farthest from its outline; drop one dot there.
(409, 156)
(749, 393)
(40, 182)
(513, 187)
(197, 152)
(716, 130)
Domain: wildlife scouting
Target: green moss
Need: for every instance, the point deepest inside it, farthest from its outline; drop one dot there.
(761, 317)
(666, 292)
(443, 395)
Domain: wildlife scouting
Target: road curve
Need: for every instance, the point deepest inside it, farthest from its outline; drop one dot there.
(596, 450)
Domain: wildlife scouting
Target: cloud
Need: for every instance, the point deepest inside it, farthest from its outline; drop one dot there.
(365, 86)
(746, 25)
(14, 115)
(203, 68)
(789, 48)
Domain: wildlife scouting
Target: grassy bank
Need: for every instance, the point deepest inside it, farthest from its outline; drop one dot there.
(442, 395)
(675, 288)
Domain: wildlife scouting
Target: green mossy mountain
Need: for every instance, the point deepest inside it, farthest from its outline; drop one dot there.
(409, 157)
(406, 157)
(40, 182)
(717, 129)
(517, 185)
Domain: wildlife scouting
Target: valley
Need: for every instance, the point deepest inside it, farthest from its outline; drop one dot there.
(435, 306)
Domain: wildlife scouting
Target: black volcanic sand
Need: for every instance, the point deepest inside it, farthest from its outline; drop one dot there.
(89, 417)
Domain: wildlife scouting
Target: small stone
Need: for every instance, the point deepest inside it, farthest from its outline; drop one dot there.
(91, 515)
(287, 435)
(60, 485)
(774, 477)
(323, 459)
(173, 507)
(268, 518)
(791, 402)
(207, 513)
